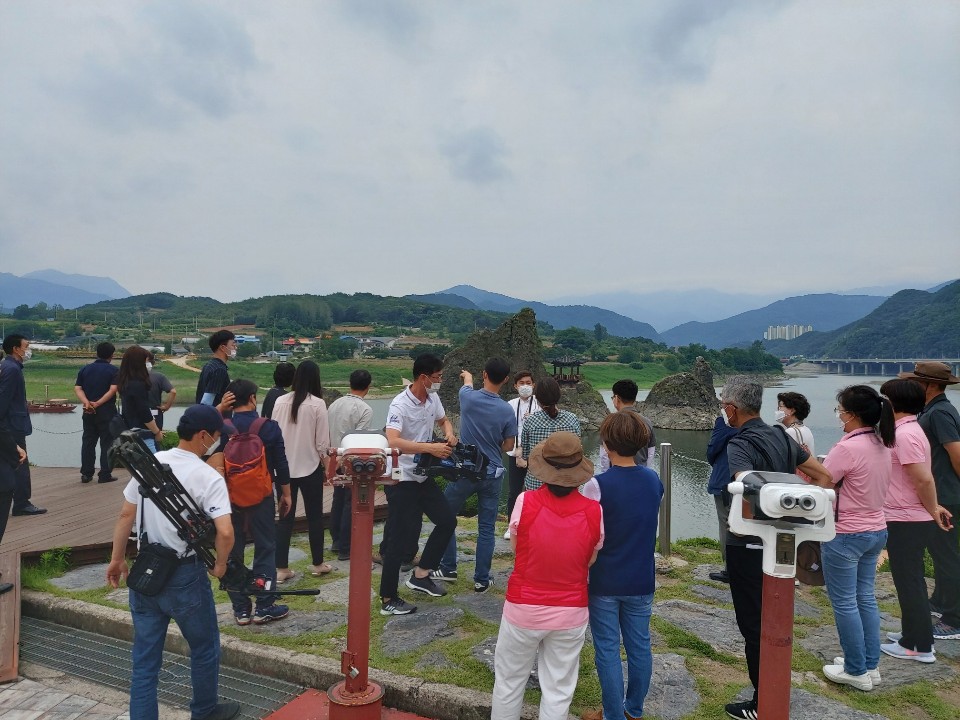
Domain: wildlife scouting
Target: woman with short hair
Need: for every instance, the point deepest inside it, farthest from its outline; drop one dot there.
(792, 409)
(912, 515)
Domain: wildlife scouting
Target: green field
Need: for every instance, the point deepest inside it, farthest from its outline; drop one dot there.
(60, 374)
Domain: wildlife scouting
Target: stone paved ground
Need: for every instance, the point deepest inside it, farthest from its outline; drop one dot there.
(684, 681)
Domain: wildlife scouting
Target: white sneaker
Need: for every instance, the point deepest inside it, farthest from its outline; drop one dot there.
(835, 673)
(897, 650)
(874, 674)
(506, 535)
(897, 637)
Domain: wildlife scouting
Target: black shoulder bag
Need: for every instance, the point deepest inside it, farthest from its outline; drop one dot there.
(153, 565)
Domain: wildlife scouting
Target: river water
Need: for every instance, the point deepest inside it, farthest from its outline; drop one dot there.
(56, 443)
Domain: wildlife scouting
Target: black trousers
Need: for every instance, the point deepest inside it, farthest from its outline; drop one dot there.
(945, 551)
(96, 430)
(22, 490)
(515, 477)
(341, 518)
(906, 542)
(409, 551)
(255, 524)
(409, 502)
(311, 487)
(745, 568)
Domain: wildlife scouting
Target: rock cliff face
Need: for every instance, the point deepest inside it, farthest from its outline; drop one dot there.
(517, 342)
(686, 401)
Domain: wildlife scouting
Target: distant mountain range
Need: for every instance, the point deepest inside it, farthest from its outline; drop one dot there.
(912, 323)
(56, 288)
(560, 316)
(823, 312)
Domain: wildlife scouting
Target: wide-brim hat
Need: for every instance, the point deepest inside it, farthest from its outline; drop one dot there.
(810, 564)
(937, 372)
(559, 460)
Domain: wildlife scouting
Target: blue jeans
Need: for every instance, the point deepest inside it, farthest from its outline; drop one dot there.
(488, 501)
(850, 570)
(610, 617)
(187, 599)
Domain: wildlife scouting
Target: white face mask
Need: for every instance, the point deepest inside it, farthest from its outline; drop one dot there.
(525, 391)
(434, 388)
(779, 415)
(149, 367)
(723, 414)
(208, 451)
(28, 354)
(232, 353)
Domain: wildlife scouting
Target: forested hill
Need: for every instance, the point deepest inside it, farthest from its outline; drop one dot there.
(293, 313)
(912, 323)
(561, 317)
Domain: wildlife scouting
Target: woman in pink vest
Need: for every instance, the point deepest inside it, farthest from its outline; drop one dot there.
(545, 614)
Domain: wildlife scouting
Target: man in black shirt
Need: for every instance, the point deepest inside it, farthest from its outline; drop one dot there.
(96, 390)
(757, 446)
(214, 378)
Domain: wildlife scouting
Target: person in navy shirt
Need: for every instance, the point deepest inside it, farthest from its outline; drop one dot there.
(96, 389)
(15, 417)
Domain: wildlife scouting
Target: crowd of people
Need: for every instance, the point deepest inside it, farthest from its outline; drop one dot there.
(896, 473)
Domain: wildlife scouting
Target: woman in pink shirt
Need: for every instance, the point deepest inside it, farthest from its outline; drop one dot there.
(302, 416)
(861, 468)
(912, 516)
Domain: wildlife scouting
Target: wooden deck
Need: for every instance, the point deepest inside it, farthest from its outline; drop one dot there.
(81, 517)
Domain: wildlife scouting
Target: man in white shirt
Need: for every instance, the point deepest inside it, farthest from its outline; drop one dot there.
(187, 597)
(412, 416)
(346, 414)
(524, 405)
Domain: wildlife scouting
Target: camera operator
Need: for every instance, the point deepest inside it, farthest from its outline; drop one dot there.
(487, 421)
(412, 416)
(757, 446)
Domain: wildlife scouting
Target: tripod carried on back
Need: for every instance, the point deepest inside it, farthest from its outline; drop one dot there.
(159, 485)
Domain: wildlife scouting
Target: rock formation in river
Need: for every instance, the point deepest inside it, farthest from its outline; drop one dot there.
(518, 342)
(686, 401)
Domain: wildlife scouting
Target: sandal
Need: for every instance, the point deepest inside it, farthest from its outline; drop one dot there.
(321, 569)
(286, 577)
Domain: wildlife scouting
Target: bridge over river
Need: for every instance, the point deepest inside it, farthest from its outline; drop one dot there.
(878, 366)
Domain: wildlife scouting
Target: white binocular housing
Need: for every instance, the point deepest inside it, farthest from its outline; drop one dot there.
(783, 511)
(367, 453)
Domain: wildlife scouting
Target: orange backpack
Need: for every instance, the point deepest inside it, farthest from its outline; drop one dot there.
(245, 466)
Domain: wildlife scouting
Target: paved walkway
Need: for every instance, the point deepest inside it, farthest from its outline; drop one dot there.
(43, 694)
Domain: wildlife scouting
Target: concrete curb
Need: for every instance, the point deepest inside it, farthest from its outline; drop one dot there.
(430, 700)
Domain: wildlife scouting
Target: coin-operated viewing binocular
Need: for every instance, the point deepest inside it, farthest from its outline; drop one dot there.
(363, 455)
(783, 511)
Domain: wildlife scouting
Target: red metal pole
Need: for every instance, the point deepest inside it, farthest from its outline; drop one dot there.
(776, 647)
(354, 697)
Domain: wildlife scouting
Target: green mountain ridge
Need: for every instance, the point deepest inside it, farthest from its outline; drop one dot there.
(911, 323)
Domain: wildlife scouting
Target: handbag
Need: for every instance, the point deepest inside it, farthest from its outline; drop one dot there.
(153, 565)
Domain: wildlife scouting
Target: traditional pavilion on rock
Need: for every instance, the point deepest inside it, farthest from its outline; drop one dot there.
(566, 370)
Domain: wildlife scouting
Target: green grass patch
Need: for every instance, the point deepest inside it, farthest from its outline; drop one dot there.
(603, 375)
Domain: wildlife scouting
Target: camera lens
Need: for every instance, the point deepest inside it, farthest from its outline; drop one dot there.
(788, 502)
(807, 503)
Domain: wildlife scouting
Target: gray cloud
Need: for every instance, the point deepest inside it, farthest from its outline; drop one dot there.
(476, 155)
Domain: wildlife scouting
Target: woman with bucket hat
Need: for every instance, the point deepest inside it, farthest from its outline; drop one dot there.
(545, 614)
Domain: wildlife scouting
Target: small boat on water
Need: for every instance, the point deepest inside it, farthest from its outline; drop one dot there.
(50, 405)
(54, 406)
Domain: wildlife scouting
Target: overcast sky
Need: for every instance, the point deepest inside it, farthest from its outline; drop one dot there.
(538, 149)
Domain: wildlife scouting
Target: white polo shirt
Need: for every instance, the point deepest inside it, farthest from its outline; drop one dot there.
(415, 420)
(201, 481)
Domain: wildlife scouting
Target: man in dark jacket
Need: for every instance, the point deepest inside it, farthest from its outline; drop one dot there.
(15, 416)
(717, 486)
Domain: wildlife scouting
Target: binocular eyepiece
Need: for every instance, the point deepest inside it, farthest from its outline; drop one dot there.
(804, 502)
(360, 467)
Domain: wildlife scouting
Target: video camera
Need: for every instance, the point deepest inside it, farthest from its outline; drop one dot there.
(464, 461)
(783, 511)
